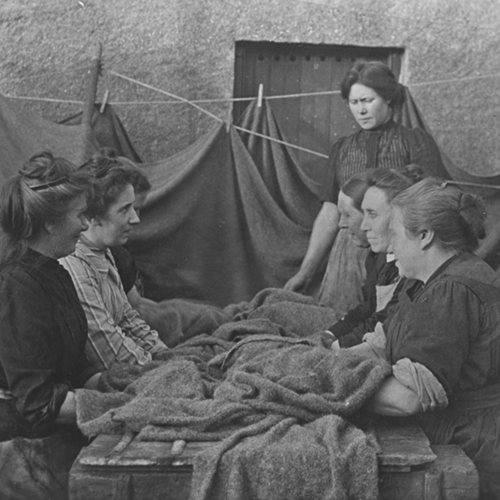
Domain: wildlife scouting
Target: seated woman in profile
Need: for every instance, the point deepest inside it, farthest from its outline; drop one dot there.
(371, 192)
(444, 338)
(116, 331)
(43, 329)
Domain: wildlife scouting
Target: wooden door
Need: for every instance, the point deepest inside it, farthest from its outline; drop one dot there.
(313, 122)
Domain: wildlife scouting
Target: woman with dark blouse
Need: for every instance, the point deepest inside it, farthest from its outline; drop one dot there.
(373, 94)
(376, 189)
(368, 223)
(44, 331)
(444, 339)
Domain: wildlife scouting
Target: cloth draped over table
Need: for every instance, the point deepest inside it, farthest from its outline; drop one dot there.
(282, 411)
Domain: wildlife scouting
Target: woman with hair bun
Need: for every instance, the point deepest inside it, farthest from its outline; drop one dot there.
(443, 341)
(43, 328)
(373, 95)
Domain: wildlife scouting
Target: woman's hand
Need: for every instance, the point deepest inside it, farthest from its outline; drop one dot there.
(393, 399)
(323, 234)
(67, 412)
(323, 338)
(297, 283)
(93, 382)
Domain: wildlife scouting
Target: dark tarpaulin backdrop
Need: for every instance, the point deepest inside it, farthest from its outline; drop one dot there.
(22, 134)
(226, 217)
(219, 226)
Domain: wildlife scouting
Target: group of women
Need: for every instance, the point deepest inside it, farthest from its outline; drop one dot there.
(64, 313)
(429, 305)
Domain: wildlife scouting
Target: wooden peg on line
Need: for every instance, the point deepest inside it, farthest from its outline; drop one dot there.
(261, 93)
(104, 102)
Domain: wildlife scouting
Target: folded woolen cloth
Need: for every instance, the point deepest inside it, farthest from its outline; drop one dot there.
(279, 459)
(254, 386)
(177, 320)
(300, 381)
(296, 313)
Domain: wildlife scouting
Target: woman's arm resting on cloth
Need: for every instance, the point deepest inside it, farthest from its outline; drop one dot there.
(393, 399)
(323, 234)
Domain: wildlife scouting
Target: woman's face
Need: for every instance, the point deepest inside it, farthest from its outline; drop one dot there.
(406, 248)
(376, 218)
(115, 226)
(368, 108)
(350, 219)
(65, 232)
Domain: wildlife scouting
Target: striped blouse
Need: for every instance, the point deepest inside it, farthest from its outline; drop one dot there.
(391, 146)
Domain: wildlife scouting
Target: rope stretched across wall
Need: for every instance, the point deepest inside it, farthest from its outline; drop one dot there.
(214, 116)
(329, 92)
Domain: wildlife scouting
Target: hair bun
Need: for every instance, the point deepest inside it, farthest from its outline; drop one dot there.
(473, 212)
(414, 172)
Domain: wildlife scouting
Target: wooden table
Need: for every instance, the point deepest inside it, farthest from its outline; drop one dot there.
(120, 468)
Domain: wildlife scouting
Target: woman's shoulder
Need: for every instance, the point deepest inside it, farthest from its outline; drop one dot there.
(414, 135)
(468, 276)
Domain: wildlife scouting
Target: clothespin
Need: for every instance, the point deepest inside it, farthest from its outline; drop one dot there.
(261, 93)
(104, 102)
(229, 121)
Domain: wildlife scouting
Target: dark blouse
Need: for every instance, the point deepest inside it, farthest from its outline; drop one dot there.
(43, 331)
(451, 325)
(391, 146)
(363, 318)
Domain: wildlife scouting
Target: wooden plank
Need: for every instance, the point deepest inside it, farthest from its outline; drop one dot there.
(402, 445)
(460, 480)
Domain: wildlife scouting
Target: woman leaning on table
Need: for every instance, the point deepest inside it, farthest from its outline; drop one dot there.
(444, 339)
(373, 95)
(43, 327)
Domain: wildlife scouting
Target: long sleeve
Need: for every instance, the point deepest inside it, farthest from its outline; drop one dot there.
(27, 363)
(425, 152)
(116, 332)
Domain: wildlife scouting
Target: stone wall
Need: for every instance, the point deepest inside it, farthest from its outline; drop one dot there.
(186, 48)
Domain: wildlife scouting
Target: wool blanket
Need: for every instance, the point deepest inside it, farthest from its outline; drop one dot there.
(280, 408)
(178, 320)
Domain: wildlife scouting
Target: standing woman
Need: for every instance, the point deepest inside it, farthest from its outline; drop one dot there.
(444, 340)
(373, 94)
(43, 328)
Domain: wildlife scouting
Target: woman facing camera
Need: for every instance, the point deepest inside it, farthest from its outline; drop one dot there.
(373, 94)
(116, 331)
(43, 328)
(444, 339)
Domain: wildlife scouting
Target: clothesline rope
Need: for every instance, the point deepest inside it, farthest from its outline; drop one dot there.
(150, 87)
(180, 100)
(195, 105)
(321, 155)
(216, 117)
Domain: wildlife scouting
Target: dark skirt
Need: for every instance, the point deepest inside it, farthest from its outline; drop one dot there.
(38, 469)
(477, 432)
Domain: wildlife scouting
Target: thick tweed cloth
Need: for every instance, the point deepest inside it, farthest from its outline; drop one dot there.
(177, 320)
(276, 404)
(296, 313)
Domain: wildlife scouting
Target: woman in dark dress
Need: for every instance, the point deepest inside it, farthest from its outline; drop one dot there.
(371, 199)
(443, 341)
(43, 327)
(373, 94)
